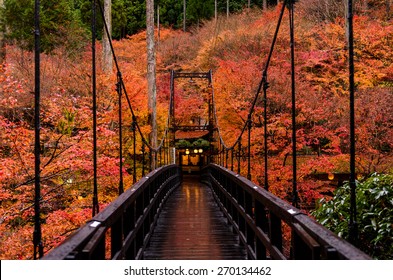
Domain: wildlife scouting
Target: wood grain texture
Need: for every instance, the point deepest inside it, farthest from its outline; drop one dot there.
(192, 227)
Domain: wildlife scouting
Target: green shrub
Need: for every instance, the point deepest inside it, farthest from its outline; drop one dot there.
(374, 201)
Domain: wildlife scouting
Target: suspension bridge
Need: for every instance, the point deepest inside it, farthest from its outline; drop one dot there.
(194, 204)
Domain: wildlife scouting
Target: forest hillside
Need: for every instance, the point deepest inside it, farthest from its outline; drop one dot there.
(235, 49)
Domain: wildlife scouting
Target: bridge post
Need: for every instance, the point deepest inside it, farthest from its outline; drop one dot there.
(37, 235)
(295, 198)
(119, 92)
(353, 227)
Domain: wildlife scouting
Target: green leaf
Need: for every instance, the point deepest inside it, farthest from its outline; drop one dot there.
(374, 224)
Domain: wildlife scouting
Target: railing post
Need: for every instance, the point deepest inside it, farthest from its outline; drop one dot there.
(164, 146)
(143, 159)
(232, 151)
(261, 222)
(159, 157)
(150, 159)
(239, 157)
(218, 156)
(134, 147)
(116, 236)
(250, 234)
(249, 149)
(275, 231)
(226, 157)
(128, 226)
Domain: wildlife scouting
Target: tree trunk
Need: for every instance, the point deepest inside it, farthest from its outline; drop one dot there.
(388, 4)
(227, 8)
(107, 61)
(264, 4)
(2, 40)
(184, 15)
(215, 10)
(249, 4)
(151, 75)
(158, 25)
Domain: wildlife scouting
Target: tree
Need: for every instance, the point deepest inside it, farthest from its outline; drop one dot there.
(375, 214)
(60, 24)
(151, 73)
(198, 11)
(106, 49)
(215, 10)
(2, 30)
(184, 15)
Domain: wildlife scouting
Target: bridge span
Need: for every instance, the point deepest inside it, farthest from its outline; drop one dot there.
(220, 215)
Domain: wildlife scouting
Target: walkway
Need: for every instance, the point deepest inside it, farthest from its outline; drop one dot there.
(191, 226)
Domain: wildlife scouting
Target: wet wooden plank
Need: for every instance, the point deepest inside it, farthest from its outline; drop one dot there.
(192, 227)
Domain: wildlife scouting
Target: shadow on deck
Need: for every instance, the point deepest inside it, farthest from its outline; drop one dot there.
(192, 226)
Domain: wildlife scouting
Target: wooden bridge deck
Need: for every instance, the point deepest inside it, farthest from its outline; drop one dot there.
(192, 227)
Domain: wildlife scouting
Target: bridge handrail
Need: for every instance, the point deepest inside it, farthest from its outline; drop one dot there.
(260, 219)
(126, 223)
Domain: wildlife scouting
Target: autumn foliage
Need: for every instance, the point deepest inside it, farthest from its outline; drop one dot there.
(235, 49)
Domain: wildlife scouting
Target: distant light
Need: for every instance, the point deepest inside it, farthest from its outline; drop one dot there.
(196, 151)
(201, 151)
(330, 176)
(187, 152)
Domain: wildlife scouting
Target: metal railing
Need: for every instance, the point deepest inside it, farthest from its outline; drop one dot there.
(123, 229)
(269, 227)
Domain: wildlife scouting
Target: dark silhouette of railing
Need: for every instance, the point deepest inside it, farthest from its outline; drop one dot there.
(269, 227)
(122, 230)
